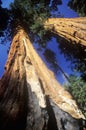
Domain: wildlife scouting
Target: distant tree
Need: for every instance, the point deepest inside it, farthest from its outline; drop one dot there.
(51, 58)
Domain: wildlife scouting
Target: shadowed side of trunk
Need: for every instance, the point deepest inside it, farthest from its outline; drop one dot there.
(13, 89)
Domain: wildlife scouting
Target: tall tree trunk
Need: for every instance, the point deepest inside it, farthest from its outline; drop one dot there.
(72, 29)
(30, 96)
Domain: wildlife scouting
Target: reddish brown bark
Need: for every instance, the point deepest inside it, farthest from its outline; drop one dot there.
(30, 96)
(72, 29)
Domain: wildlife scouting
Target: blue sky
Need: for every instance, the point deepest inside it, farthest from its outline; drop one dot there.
(4, 47)
(5, 3)
(67, 12)
(3, 56)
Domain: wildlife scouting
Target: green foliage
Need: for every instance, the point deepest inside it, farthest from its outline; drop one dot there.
(79, 6)
(77, 88)
(32, 15)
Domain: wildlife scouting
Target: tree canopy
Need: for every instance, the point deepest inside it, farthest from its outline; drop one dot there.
(79, 6)
(32, 14)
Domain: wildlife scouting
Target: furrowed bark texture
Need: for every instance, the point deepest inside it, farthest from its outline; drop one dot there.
(30, 96)
(72, 29)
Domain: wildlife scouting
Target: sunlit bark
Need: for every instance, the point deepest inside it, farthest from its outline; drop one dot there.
(30, 96)
(72, 29)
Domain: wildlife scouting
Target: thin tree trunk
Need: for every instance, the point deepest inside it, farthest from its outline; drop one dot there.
(72, 29)
(30, 96)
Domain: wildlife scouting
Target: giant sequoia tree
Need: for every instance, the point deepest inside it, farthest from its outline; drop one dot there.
(30, 96)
